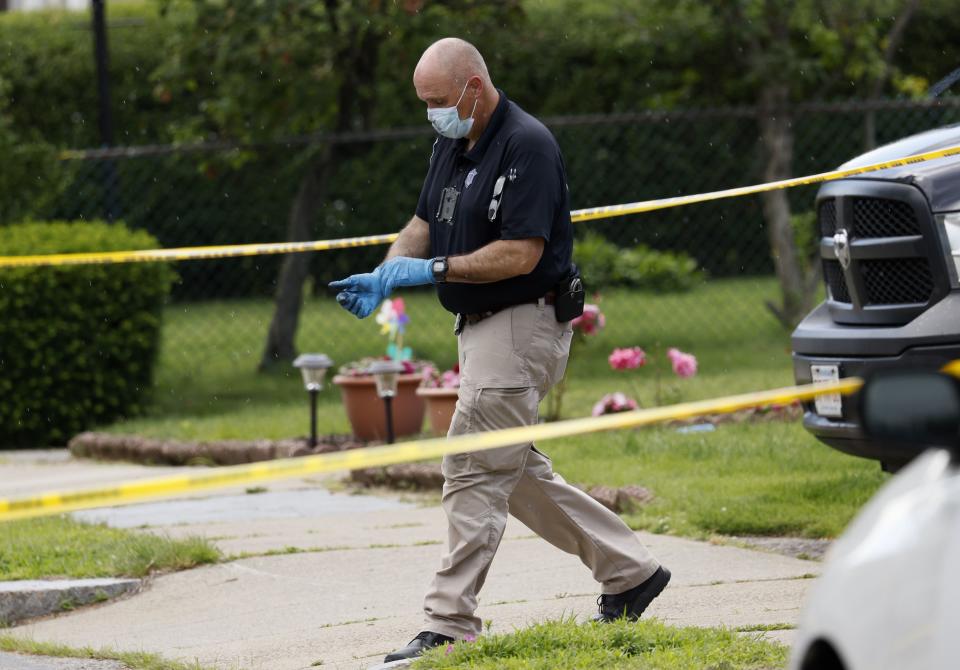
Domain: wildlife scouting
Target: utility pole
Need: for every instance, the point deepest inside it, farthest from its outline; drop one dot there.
(104, 112)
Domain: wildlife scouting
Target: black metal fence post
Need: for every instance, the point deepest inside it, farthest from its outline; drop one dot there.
(104, 112)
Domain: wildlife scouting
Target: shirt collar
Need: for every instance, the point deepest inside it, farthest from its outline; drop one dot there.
(496, 120)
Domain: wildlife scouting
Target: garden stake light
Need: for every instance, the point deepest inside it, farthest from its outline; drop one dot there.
(314, 368)
(385, 373)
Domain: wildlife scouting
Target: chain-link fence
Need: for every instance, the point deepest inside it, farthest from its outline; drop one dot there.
(215, 194)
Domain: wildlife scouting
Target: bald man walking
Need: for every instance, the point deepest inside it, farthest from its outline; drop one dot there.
(492, 230)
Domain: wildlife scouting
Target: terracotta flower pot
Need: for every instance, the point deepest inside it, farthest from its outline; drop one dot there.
(441, 403)
(366, 412)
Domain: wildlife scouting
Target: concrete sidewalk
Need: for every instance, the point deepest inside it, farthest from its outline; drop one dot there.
(356, 592)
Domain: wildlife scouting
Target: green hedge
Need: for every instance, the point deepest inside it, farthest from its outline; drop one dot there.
(77, 343)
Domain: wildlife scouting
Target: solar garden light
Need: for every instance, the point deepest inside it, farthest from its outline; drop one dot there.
(385, 374)
(314, 368)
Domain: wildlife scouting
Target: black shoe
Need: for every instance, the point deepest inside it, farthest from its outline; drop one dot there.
(418, 645)
(630, 604)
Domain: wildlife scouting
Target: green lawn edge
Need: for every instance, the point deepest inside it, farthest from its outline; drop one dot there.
(623, 645)
(62, 547)
(134, 660)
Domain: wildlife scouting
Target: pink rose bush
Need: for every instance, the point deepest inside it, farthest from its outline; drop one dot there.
(684, 365)
(613, 403)
(627, 359)
(630, 358)
(590, 322)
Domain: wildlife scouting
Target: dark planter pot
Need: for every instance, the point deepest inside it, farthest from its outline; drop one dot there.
(366, 412)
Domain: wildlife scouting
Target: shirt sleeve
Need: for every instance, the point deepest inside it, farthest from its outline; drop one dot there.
(531, 195)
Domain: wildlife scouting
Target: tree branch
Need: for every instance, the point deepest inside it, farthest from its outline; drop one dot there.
(894, 37)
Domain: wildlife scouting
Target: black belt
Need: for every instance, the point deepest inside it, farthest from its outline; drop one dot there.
(476, 317)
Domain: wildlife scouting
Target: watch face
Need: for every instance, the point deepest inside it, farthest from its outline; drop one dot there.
(439, 269)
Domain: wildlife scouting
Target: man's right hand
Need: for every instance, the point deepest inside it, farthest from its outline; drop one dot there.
(361, 294)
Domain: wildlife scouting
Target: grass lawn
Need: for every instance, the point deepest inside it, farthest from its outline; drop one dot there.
(769, 478)
(558, 645)
(742, 479)
(61, 547)
(208, 387)
(134, 660)
(647, 645)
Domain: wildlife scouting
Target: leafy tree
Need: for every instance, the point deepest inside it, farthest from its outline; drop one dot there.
(773, 54)
(253, 70)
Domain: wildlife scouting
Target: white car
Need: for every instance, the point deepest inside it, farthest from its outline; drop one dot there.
(889, 596)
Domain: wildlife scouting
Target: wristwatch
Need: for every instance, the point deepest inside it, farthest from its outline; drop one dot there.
(439, 266)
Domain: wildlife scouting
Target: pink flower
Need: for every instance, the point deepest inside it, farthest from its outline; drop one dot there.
(450, 380)
(613, 403)
(684, 365)
(627, 359)
(432, 378)
(591, 321)
(426, 375)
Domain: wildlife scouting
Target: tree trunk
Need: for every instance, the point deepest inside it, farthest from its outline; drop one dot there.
(296, 267)
(894, 38)
(357, 61)
(776, 131)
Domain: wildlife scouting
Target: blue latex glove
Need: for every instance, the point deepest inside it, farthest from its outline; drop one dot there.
(363, 293)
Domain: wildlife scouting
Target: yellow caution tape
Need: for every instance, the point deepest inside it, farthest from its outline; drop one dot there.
(137, 491)
(664, 203)
(591, 214)
(192, 253)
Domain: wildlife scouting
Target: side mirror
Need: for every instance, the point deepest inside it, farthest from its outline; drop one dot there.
(918, 407)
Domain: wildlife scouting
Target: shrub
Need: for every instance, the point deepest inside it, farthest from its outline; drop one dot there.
(645, 268)
(77, 343)
(603, 264)
(595, 256)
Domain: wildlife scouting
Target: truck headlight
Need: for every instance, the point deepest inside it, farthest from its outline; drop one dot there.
(951, 224)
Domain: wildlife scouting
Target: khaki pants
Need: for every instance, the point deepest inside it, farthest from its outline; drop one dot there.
(508, 362)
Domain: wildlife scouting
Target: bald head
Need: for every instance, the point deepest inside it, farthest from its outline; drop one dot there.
(453, 59)
(451, 73)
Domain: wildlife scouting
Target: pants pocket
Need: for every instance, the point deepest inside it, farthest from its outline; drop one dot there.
(504, 408)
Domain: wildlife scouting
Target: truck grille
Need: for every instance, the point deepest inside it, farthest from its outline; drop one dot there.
(896, 282)
(878, 217)
(887, 276)
(828, 218)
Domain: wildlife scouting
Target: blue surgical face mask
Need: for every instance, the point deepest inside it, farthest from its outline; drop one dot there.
(447, 121)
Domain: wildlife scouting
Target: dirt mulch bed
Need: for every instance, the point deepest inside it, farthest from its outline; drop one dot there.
(110, 447)
(809, 549)
(791, 412)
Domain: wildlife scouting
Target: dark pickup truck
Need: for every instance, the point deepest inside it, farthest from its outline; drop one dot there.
(889, 242)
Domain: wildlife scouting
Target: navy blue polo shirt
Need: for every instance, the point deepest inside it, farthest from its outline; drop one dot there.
(534, 203)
